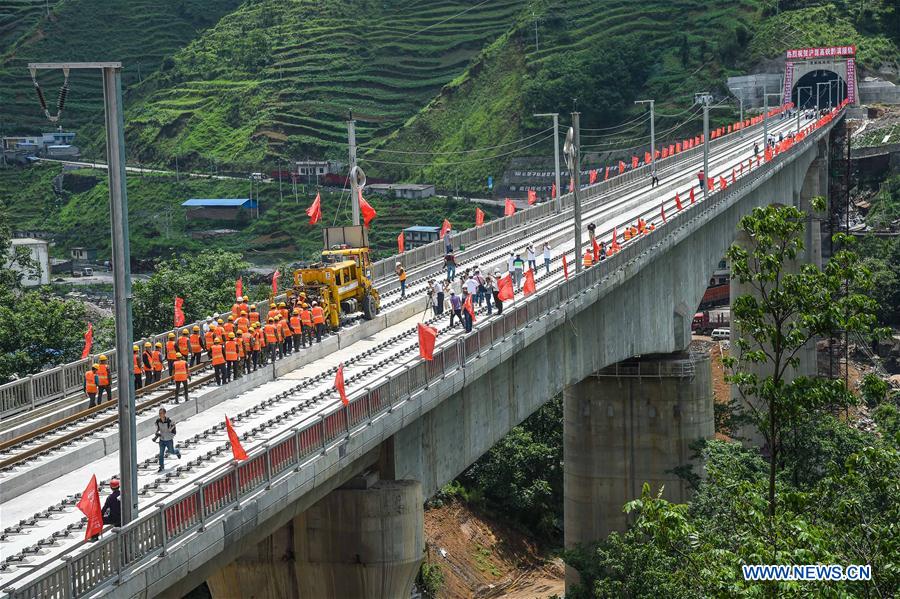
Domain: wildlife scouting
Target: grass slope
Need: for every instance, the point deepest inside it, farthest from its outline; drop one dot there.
(139, 33)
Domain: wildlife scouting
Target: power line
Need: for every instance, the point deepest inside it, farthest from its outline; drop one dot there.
(448, 152)
(459, 14)
(484, 159)
(644, 117)
(605, 146)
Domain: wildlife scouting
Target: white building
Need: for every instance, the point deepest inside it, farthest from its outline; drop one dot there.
(40, 253)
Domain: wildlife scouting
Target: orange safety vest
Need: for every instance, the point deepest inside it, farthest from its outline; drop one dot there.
(295, 325)
(284, 313)
(137, 364)
(247, 338)
(90, 385)
(103, 373)
(306, 317)
(318, 315)
(220, 331)
(286, 329)
(242, 323)
(273, 313)
(254, 316)
(156, 360)
(235, 310)
(196, 346)
(217, 356)
(589, 258)
(180, 372)
(244, 308)
(229, 327)
(270, 333)
(170, 350)
(147, 358)
(402, 276)
(184, 343)
(208, 336)
(231, 353)
(255, 340)
(240, 347)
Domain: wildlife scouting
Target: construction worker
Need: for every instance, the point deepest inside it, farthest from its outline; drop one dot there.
(208, 338)
(92, 384)
(242, 322)
(283, 311)
(220, 329)
(196, 346)
(136, 369)
(231, 357)
(279, 333)
(244, 305)
(147, 362)
(588, 258)
(236, 308)
(627, 234)
(287, 345)
(247, 346)
(171, 350)
(184, 343)
(181, 375)
(273, 310)
(229, 326)
(256, 342)
(401, 276)
(104, 380)
(297, 328)
(306, 323)
(157, 362)
(271, 339)
(217, 357)
(253, 315)
(318, 318)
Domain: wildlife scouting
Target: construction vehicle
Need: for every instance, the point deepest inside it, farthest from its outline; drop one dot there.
(705, 322)
(341, 282)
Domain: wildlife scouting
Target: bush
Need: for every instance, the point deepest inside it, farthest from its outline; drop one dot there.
(431, 578)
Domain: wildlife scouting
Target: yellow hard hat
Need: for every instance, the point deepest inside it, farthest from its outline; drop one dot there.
(231, 335)
(270, 320)
(220, 321)
(177, 354)
(272, 306)
(281, 304)
(102, 358)
(243, 313)
(231, 317)
(158, 344)
(245, 298)
(218, 340)
(171, 335)
(184, 331)
(196, 328)
(95, 366)
(135, 348)
(148, 344)
(296, 310)
(252, 307)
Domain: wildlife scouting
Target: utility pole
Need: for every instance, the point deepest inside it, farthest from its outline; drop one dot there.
(652, 133)
(121, 262)
(705, 99)
(354, 190)
(555, 116)
(741, 101)
(573, 158)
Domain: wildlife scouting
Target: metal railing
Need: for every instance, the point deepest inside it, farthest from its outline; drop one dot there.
(88, 566)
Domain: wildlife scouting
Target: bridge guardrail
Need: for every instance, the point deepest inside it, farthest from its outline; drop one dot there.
(222, 489)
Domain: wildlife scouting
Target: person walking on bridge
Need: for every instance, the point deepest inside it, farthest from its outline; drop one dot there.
(147, 362)
(532, 259)
(307, 324)
(196, 343)
(455, 307)
(231, 358)
(105, 380)
(92, 384)
(171, 350)
(157, 361)
(136, 369)
(495, 290)
(181, 375)
(438, 290)
(654, 178)
(701, 176)
(318, 318)
(184, 343)
(165, 436)
(450, 265)
(401, 275)
(518, 270)
(548, 257)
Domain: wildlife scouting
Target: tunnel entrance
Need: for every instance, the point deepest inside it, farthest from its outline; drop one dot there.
(820, 88)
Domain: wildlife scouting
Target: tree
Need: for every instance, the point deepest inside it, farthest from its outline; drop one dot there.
(205, 282)
(786, 311)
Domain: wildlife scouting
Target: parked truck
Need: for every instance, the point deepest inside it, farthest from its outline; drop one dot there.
(704, 322)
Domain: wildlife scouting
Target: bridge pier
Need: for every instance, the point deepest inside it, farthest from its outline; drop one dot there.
(363, 540)
(630, 423)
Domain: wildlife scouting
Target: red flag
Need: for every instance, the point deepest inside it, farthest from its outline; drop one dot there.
(621, 167)
(88, 341)
(445, 228)
(239, 288)
(529, 287)
(671, 149)
(468, 307)
(647, 158)
(236, 449)
(571, 184)
(732, 176)
(314, 212)
(368, 213)
(509, 208)
(692, 195)
(606, 175)
(665, 152)
(678, 148)
(565, 267)
(401, 243)
(427, 337)
(615, 235)
(722, 183)
(553, 190)
(479, 217)
(662, 211)
(634, 162)
(89, 504)
(711, 183)
(505, 288)
(275, 276)
(596, 249)
(678, 201)
(339, 384)
(179, 313)
(532, 197)
(592, 176)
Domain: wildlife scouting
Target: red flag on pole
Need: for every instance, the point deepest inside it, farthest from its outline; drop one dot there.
(692, 195)
(505, 288)
(532, 197)
(621, 167)
(678, 201)
(529, 287)
(565, 267)
(445, 228)
(179, 313)
(634, 162)
(711, 183)
(239, 288)
(662, 211)
(401, 243)
(733, 177)
(468, 307)
(592, 176)
(571, 184)
(596, 250)
(275, 276)
(479, 217)
(647, 158)
(678, 148)
(89, 504)
(553, 190)
(606, 174)
(88, 341)
(722, 183)
(314, 212)
(368, 213)
(339, 384)
(236, 449)
(427, 337)
(509, 208)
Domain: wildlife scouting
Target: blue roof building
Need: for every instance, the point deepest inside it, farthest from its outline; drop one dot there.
(225, 209)
(220, 203)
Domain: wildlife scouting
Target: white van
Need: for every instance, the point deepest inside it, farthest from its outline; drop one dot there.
(721, 334)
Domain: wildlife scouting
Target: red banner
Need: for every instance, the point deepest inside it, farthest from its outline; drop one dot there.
(401, 243)
(528, 287)
(339, 384)
(239, 288)
(88, 341)
(368, 213)
(89, 504)
(824, 52)
(509, 208)
(479, 217)
(237, 450)
(314, 212)
(179, 313)
(565, 267)
(275, 276)
(427, 338)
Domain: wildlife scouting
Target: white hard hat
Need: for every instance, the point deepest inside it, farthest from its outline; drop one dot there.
(398, 264)
(209, 318)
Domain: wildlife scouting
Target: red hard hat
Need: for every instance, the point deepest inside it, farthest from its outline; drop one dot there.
(114, 483)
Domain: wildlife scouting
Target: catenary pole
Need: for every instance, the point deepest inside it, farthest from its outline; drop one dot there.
(354, 191)
(555, 116)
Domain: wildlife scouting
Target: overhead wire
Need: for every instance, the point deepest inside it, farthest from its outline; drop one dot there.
(644, 137)
(643, 117)
(449, 152)
(473, 160)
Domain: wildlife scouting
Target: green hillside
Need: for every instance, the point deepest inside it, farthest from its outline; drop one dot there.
(139, 33)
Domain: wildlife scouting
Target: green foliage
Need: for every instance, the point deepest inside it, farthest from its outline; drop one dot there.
(873, 389)
(887, 417)
(885, 204)
(205, 281)
(431, 578)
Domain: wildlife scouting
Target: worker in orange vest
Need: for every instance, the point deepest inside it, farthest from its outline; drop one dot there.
(105, 380)
(279, 336)
(242, 322)
(92, 384)
(273, 310)
(147, 362)
(297, 328)
(231, 358)
(156, 361)
(236, 308)
(588, 258)
(306, 323)
(318, 318)
(208, 338)
(244, 306)
(256, 342)
(627, 233)
(282, 309)
(181, 375)
(217, 357)
(184, 343)
(253, 315)
(136, 367)
(246, 350)
(271, 339)
(229, 326)
(196, 346)
(171, 350)
(287, 344)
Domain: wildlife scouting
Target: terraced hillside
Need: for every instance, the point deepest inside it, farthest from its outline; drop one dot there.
(278, 78)
(139, 33)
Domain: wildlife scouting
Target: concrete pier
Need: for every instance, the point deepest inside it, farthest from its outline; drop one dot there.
(630, 423)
